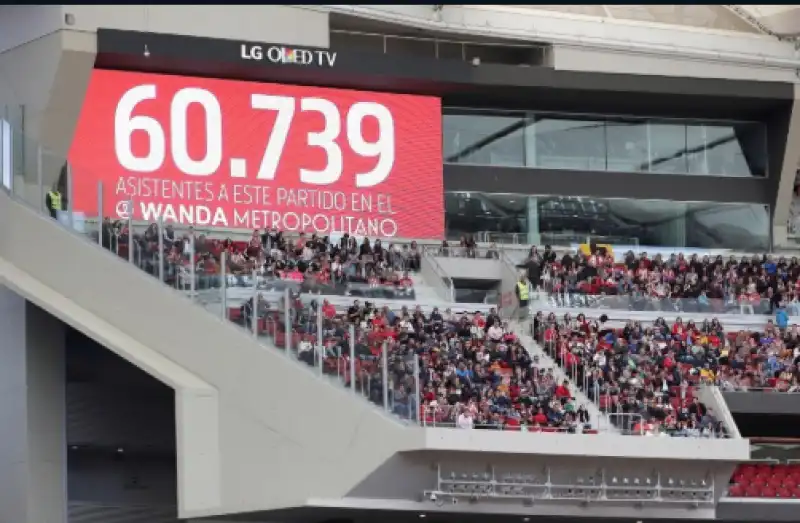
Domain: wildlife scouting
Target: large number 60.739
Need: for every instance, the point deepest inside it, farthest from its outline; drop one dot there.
(125, 124)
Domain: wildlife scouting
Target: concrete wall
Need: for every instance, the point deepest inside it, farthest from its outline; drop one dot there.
(33, 435)
(471, 268)
(47, 52)
(789, 166)
(432, 272)
(243, 442)
(581, 58)
(756, 402)
(293, 25)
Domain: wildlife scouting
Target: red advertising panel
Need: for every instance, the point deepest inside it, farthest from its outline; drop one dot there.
(231, 154)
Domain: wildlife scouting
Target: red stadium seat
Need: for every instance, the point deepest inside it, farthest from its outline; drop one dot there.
(736, 491)
(753, 491)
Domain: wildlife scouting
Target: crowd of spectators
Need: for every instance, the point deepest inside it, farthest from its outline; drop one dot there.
(474, 372)
(748, 285)
(647, 375)
(307, 263)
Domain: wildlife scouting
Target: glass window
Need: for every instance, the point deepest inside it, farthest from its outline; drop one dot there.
(668, 149)
(563, 143)
(605, 144)
(484, 139)
(735, 149)
(626, 146)
(560, 220)
(478, 213)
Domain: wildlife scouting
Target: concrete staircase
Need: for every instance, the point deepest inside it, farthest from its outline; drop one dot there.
(599, 420)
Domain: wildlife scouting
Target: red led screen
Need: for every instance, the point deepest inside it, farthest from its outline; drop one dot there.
(223, 153)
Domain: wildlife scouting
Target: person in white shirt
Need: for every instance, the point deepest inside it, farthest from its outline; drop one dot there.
(464, 420)
(495, 333)
(406, 326)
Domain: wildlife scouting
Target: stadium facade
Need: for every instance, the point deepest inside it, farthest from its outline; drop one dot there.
(502, 123)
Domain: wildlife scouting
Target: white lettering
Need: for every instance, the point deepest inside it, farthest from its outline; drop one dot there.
(287, 55)
(385, 204)
(191, 214)
(254, 52)
(318, 223)
(275, 55)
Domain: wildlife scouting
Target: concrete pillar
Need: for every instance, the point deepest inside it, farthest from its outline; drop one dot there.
(785, 193)
(32, 404)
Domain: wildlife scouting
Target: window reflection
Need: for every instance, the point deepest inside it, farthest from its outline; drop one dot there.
(564, 220)
(627, 146)
(668, 149)
(562, 143)
(725, 149)
(484, 139)
(468, 213)
(606, 144)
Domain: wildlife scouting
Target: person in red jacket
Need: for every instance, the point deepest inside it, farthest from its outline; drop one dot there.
(328, 310)
(562, 391)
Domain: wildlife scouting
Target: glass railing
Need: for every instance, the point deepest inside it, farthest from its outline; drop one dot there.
(283, 310)
(647, 303)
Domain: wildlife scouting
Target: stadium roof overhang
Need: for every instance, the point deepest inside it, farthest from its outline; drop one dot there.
(781, 20)
(459, 83)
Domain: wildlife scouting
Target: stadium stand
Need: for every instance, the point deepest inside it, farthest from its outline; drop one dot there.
(645, 378)
(695, 283)
(311, 264)
(358, 312)
(475, 373)
(740, 360)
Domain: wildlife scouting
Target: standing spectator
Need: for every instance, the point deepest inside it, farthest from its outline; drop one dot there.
(781, 318)
(54, 202)
(523, 296)
(465, 419)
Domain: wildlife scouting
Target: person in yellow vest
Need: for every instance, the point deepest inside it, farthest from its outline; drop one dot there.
(54, 202)
(523, 295)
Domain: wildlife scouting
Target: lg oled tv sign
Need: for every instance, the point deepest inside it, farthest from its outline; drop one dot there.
(278, 54)
(232, 154)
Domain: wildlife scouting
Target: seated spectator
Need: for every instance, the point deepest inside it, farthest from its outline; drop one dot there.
(468, 379)
(627, 368)
(310, 264)
(643, 377)
(755, 285)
